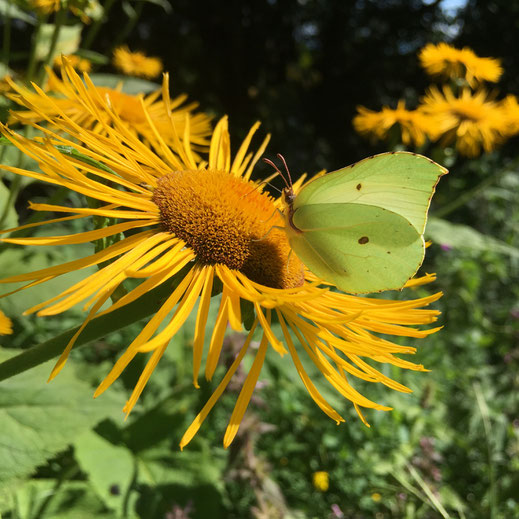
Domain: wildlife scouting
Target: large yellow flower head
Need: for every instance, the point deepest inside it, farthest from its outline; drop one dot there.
(414, 125)
(208, 225)
(470, 120)
(136, 63)
(6, 326)
(94, 107)
(446, 61)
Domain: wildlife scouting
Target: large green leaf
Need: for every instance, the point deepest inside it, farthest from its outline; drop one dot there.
(38, 420)
(460, 236)
(110, 468)
(68, 41)
(50, 498)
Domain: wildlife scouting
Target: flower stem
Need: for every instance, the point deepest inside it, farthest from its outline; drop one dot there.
(6, 43)
(31, 67)
(61, 16)
(94, 28)
(130, 24)
(99, 327)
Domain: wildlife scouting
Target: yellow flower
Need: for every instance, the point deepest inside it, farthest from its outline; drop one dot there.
(414, 125)
(97, 108)
(6, 326)
(77, 7)
(449, 62)
(210, 222)
(136, 63)
(376, 497)
(471, 120)
(321, 480)
(77, 62)
(5, 86)
(510, 107)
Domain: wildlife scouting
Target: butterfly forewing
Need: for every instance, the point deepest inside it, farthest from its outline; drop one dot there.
(401, 182)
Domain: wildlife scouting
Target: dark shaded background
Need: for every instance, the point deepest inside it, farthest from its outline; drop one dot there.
(301, 67)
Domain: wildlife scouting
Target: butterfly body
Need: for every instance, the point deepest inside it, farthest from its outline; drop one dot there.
(361, 227)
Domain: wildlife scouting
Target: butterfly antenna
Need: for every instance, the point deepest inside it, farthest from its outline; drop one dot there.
(270, 163)
(286, 167)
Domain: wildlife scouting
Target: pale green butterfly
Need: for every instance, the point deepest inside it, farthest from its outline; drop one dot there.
(361, 227)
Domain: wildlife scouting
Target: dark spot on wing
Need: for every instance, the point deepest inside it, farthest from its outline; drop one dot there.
(363, 240)
(359, 186)
(389, 252)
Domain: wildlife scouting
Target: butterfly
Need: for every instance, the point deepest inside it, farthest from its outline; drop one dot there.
(361, 227)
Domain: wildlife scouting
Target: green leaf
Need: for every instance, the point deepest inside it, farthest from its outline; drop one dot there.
(9, 9)
(52, 498)
(38, 420)
(460, 236)
(68, 41)
(130, 85)
(108, 466)
(11, 217)
(181, 477)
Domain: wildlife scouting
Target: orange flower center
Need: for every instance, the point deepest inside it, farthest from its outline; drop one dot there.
(227, 220)
(126, 106)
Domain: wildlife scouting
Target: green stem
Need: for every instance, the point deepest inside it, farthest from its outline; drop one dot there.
(6, 44)
(467, 196)
(61, 16)
(146, 305)
(94, 28)
(130, 24)
(31, 67)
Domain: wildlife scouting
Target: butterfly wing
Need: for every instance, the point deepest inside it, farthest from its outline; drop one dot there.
(359, 248)
(400, 182)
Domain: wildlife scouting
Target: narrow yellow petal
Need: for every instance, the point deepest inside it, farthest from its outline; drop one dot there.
(197, 422)
(246, 393)
(201, 323)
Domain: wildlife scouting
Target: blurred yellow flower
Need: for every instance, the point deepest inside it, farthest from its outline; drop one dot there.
(510, 106)
(46, 6)
(414, 125)
(136, 63)
(471, 120)
(98, 108)
(6, 326)
(376, 497)
(208, 223)
(77, 7)
(5, 85)
(77, 62)
(321, 480)
(448, 62)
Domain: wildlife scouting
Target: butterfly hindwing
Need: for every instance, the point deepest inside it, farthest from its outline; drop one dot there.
(359, 248)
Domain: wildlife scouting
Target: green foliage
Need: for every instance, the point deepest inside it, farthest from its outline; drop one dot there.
(38, 423)
(449, 449)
